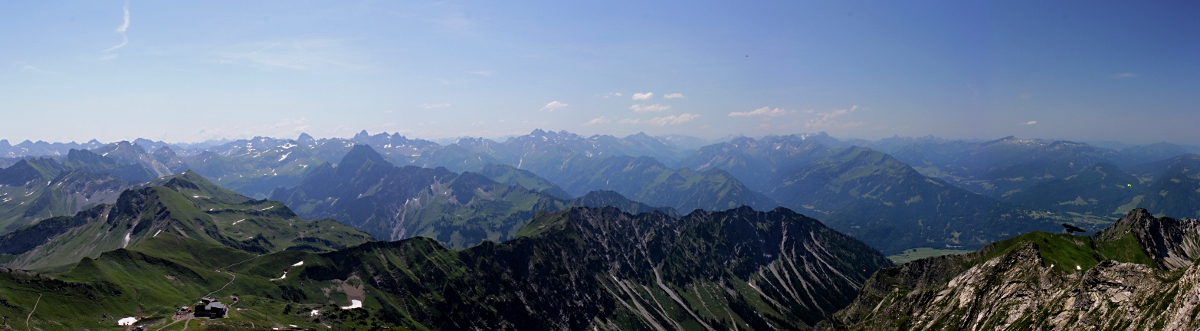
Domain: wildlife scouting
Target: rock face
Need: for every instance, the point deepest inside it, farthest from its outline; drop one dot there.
(1138, 274)
(599, 268)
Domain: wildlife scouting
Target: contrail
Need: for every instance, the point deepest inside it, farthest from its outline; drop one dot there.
(120, 29)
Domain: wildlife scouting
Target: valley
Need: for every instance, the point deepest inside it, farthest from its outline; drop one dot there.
(610, 238)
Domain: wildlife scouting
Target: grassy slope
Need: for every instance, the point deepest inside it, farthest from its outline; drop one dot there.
(190, 206)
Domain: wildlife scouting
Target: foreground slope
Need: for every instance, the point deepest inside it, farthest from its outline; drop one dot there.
(1140, 273)
(583, 268)
(587, 268)
(185, 204)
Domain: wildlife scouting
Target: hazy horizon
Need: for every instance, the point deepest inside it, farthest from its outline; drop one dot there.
(1114, 144)
(192, 72)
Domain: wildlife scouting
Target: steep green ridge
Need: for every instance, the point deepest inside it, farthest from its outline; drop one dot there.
(645, 179)
(99, 164)
(43, 188)
(1097, 190)
(601, 199)
(601, 268)
(889, 205)
(630, 166)
(511, 176)
(995, 168)
(758, 162)
(1175, 192)
(185, 204)
(367, 192)
(1136, 274)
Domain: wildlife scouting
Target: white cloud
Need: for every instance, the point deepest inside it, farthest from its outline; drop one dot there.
(124, 26)
(649, 108)
(1124, 75)
(434, 105)
(825, 120)
(764, 111)
(673, 96)
(630, 121)
(614, 94)
(121, 30)
(643, 96)
(672, 120)
(554, 105)
(1031, 123)
(598, 120)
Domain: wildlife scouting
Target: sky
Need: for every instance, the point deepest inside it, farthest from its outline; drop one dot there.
(1124, 71)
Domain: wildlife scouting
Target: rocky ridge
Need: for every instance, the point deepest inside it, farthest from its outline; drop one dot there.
(1138, 274)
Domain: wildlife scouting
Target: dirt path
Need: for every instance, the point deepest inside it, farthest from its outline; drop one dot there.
(226, 284)
(170, 324)
(222, 269)
(35, 304)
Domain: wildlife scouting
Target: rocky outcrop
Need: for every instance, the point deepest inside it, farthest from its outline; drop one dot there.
(1044, 281)
(1173, 243)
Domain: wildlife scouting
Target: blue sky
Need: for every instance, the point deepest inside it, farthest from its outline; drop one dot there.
(1079, 70)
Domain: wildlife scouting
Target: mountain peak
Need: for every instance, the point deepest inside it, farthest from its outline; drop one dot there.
(359, 155)
(362, 135)
(305, 138)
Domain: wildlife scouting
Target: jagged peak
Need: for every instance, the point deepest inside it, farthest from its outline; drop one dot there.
(359, 155)
(305, 138)
(1125, 225)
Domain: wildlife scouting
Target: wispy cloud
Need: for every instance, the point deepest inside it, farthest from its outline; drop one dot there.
(108, 55)
(1030, 123)
(825, 120)
(554, 105)
(598, 120)
(673, 96)
(764, 111)
(1124, 75)
(434, 105)
(649, 108)
(663, 120)
(673, 119)
(643, 96)
(303, 54)
(614, 94)
(29, 67)
(455, 21)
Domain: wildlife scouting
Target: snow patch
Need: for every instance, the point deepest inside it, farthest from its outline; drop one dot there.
(238, 221)
(354, 304)
(126, 243)
(127, 321)
(284, 156)
(297, 264)
(156, 233)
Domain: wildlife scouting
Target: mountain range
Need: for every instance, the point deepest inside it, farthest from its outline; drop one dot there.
(580, 268)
